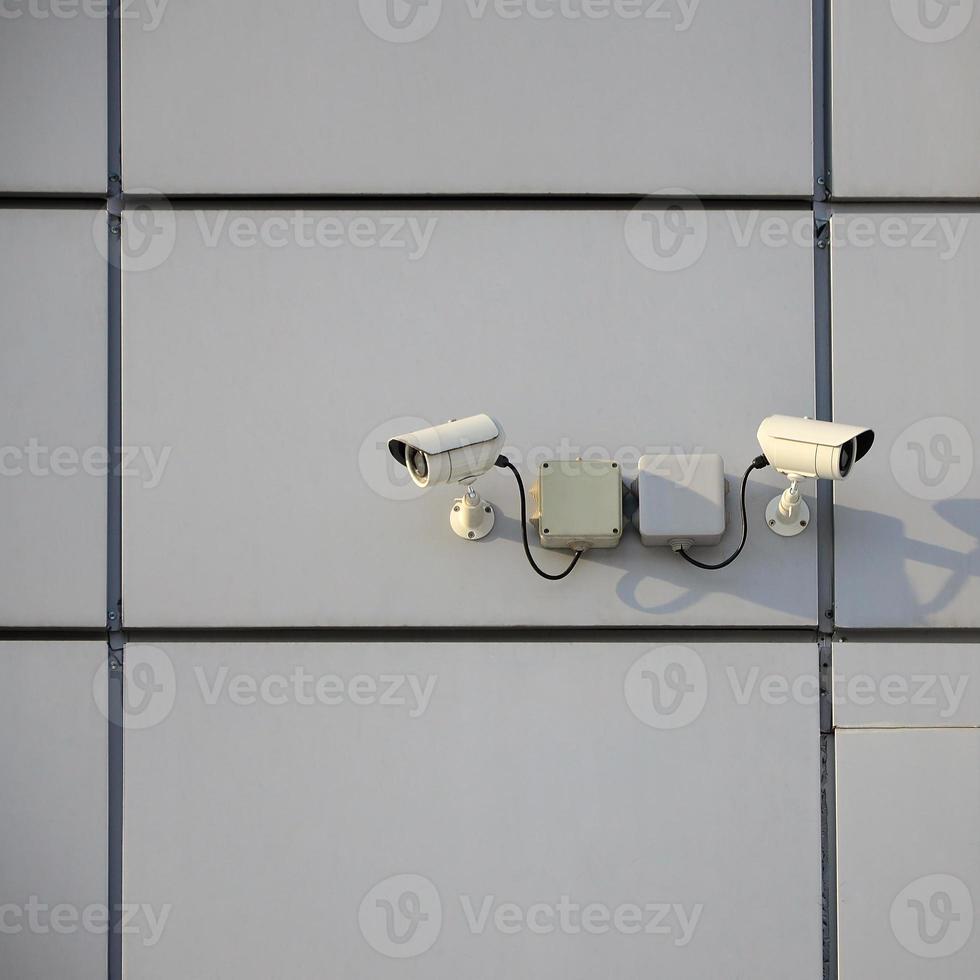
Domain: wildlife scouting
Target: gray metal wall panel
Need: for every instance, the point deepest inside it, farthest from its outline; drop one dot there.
(478, 103)
(274, 375)
(907, 685)
(53, 110)
(53, 405)
(906, 119)
(530, 772)
(906, 302)
(908, 806)
(52, 811)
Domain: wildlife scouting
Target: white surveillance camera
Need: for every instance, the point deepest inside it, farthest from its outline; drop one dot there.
(456, 452)
(804, 449)
(808, 449)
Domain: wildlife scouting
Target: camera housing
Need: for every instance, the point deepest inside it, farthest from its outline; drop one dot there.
(459, 451)
(804, 449)
(809, 449)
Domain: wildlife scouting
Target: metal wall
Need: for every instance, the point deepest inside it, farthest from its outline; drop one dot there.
(263, 712)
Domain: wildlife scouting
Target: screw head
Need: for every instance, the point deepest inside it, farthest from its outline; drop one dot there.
(772, 523)
(456, 509)
(486, 510)
(802, 523)
(472, 534)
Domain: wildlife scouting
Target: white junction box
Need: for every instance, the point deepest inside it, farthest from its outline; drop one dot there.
(579, 504)
(681, 500)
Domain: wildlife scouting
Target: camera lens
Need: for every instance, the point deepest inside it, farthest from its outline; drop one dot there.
(419, 464)
(846, 458)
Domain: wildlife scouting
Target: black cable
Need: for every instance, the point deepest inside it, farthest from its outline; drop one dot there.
(504, 463)
(759, 463)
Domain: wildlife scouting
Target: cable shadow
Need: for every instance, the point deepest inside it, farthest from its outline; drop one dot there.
(770, 566)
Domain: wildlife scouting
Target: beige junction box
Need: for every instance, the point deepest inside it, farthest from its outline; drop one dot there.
(579, 504)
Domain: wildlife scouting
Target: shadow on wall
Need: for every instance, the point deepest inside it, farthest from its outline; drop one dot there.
(963, 514)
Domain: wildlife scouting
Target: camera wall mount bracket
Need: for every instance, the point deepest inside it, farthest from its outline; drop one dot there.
(472, 518)
(788, 514)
